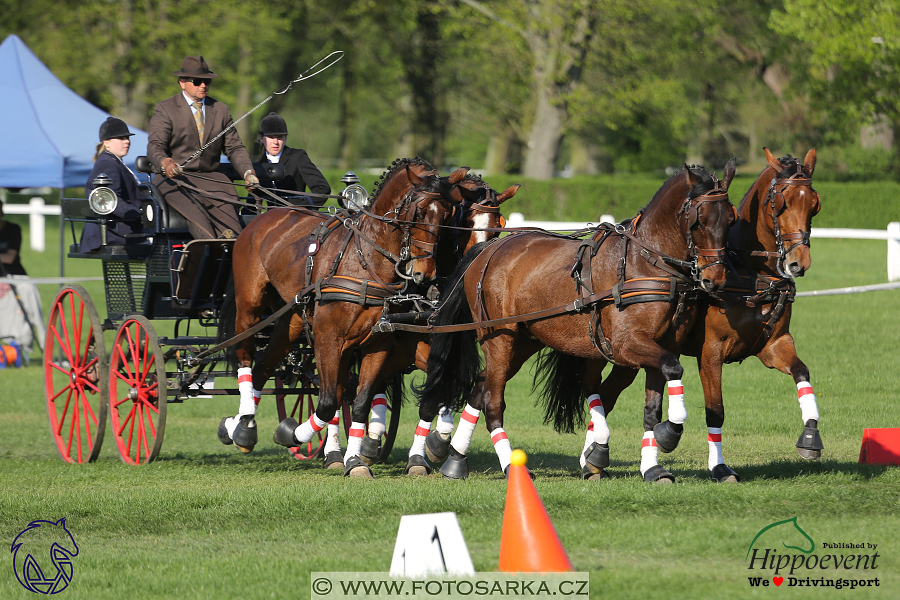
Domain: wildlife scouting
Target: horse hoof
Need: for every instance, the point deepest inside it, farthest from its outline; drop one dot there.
(723, 474)
(437, 447)
(591, 473)
(223, 432)
(417, 465)
(667, 435)
(369, 450)
(810, 446)
(809, 454)
(284, 433)
(333, 460)
(245, 436)
(597, 456)
(658, 474)
(456, 466)
(355, 467)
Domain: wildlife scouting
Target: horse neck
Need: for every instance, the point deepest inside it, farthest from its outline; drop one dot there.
(753, 229)
(661, 221)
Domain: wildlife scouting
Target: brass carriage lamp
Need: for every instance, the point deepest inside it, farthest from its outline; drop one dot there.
(103, 201)
(353, 196)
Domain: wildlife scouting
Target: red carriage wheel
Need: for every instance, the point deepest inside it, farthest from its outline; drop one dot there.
(137, 384)
(75, 376)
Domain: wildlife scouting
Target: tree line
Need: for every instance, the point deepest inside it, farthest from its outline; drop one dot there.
(515, 86)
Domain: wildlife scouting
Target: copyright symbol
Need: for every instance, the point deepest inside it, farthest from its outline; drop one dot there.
(322, 586)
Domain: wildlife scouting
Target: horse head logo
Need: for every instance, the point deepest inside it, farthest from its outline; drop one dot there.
(47, 542)
(787, 530)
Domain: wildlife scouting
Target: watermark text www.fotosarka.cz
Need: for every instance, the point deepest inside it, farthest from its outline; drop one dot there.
(327, 586)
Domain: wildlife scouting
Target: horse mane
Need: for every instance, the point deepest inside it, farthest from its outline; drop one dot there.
(397, 165)
(789, 165)
(703, 186)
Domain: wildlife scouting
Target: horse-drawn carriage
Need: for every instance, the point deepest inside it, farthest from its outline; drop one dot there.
(689, 275)
(161, 278)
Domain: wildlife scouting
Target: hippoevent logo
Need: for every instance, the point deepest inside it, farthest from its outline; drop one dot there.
(42, 556)
(784, 554)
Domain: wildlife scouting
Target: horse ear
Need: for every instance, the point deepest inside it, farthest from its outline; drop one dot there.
(689, 177)
(508, 193)
(809, 163)
(773, 162)
(730, 170)
(458, 175)
(414, 178)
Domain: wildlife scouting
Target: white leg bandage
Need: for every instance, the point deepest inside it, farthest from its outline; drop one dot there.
(807, 399)
(445, 422)
(249, 396)
(418, 446)
(305, 430)
(354, 440)
(501, 446)
(598, 419)
(649, 452)
(467, 422)
(714, 438)
(377, 418)
(588, 440)
(677, 411)
(333, 439)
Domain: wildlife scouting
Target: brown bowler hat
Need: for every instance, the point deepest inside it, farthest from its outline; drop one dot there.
(194, 66)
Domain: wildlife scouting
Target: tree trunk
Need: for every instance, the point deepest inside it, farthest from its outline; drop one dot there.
(498, 152)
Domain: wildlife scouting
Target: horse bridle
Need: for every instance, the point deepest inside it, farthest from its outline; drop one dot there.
(776, 205)
(691, 211)
(406, 218)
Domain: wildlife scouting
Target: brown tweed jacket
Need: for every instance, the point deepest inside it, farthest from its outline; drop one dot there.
(173, 133)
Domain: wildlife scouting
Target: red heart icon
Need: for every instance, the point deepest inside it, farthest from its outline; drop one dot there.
(778, 580)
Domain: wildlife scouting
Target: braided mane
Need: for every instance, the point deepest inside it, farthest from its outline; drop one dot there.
(399, 163)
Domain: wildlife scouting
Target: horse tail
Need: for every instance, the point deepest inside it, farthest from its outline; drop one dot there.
(453, 361)
(227, 317)
(396, 395)
(559, 376)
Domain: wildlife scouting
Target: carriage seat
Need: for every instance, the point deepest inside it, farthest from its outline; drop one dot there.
(156, 214)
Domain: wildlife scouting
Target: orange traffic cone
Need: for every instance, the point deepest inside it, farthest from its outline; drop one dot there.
(528, 543)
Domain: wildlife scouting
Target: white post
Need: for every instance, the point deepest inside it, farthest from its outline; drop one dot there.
(36, 223)
(893, 251)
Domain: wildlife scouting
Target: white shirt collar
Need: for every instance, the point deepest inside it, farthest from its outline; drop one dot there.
(191, 102)
(276, 158)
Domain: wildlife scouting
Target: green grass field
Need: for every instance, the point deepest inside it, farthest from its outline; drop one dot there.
(204, 521)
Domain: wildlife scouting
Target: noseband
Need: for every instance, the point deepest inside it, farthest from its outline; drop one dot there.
(407, 218)
(776, 205)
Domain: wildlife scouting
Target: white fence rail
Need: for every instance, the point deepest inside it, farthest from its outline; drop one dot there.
(38, 210)
(892, 235)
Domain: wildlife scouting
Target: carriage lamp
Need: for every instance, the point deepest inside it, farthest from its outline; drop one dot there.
(354, 196)
(102, 199)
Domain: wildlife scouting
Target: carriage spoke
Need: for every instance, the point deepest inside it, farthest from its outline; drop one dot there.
(67, 387)
(124, 365)
(62, 344)
(125, 421)
(62, 417)
(53, 365)
(88, 415)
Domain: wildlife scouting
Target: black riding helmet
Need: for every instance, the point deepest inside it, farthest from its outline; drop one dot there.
(272, 124)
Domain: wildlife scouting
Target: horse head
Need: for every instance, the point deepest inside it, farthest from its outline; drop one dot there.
(705, 216)
(477, 218)
(790, 204)
(413, 197)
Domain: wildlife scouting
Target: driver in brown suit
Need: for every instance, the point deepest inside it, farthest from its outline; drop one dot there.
(176, 132)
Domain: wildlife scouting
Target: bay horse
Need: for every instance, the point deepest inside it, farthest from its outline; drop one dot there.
(479, 220)
(342, 269)
(524, 292)
(768, 247)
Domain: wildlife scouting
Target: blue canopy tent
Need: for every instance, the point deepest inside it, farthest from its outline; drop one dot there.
(49, 133)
